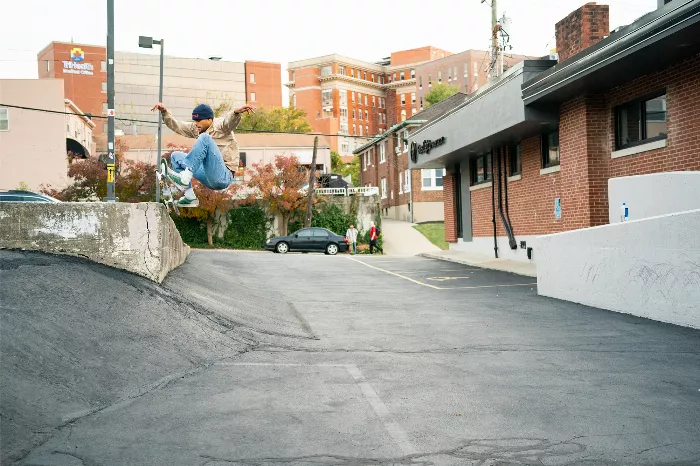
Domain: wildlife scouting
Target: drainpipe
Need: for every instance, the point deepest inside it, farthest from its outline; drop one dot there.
(506, 225)
(510, 224)
(493, 211)
(410, 183)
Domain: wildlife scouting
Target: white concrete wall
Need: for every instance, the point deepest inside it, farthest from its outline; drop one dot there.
(484, 245)
(655, 194)
(649, 268)
(428, 212)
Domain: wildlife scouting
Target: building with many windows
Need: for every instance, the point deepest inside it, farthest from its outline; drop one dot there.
(355, 100)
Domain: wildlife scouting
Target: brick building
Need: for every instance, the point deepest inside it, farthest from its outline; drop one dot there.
(355, 99)
(532, 152)
(186, 81)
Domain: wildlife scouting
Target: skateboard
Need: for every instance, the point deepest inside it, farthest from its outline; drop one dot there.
(167, 188)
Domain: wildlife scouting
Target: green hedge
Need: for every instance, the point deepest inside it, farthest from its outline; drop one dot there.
(247, 227)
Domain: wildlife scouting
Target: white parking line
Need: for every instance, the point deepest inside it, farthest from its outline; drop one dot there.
(392, 427)
(396, 274)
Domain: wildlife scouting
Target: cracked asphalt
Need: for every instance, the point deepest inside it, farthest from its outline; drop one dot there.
(264, 359)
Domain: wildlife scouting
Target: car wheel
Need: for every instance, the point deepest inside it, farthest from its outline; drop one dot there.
(282, 247)
(332, 249)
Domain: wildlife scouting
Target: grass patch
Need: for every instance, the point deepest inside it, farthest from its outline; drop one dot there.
(435, 232)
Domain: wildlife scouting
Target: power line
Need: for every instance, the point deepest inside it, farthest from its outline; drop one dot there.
(249, 131)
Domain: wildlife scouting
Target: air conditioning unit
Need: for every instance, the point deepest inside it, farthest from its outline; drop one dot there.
(397, 150)
(406, 188)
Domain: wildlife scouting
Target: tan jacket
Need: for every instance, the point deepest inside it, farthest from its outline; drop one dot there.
(221, 130)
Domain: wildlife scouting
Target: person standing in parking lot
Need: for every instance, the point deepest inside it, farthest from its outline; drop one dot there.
(374, 233)
(351, 235)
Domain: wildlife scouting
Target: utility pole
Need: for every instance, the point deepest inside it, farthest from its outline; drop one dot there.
(312, 185)
(111, 157)
(494, 36)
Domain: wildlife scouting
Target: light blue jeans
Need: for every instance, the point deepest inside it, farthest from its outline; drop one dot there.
(205, 162)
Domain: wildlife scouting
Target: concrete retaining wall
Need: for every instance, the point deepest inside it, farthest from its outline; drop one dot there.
(653, 195)
(140, 238)
(649, 268)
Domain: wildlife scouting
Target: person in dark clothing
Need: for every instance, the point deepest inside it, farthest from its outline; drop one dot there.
(374, 233)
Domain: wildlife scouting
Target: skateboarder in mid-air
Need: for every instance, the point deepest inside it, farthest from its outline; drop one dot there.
(213, 160)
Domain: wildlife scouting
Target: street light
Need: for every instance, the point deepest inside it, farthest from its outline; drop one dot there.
(147, 43)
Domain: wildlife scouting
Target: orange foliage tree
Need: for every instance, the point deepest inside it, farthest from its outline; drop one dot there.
(211, 203)
(279, 186)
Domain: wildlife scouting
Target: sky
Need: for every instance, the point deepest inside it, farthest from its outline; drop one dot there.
(283, 31)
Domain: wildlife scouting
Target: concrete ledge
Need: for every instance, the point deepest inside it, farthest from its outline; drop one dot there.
(484, 262)
(140, 238)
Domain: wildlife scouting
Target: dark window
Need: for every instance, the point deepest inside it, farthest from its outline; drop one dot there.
(241, 161)
(304, 232)
(640, 121)
(480, 169)
(550, 149)
(514, 160)
(322, 233)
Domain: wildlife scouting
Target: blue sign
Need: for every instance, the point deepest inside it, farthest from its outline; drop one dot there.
(557, 208)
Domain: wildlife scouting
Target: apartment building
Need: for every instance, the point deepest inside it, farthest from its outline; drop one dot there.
(355, 100)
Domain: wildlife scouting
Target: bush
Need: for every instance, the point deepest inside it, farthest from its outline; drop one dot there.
(247, 227)
(192, 231)
(326, 215)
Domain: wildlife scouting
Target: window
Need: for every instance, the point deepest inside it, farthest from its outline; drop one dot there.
(359, 98)
(401, 183)
(420, 81)
(353, 96)
(103, 66)
(326, 70)
(454, 74)
(4, 120)
(294, 100)
(407, 177)
(104, 110)
(343, 112)
(344, 128)
(342, 70)
(372, 77)
(241, 159)
(430, 80)
(514, 160)
(404, 138)
(354, 129)
(432, 178)
(403, 115)
(104, 87)
(383, 193)
(352, 72)
(401, 76)
(421, 102)
(359, 114)
(382, 152)
(403, 99)
(252, 78)
(413, 111)
(360, 130)
(327, 97)
(480, 169)
(374, 101)
(449, 74)
(319, 233)
(343, 97)
(367, 130)
(413, 74)
(353, 113)
(394, 76)
(253, 98)
(466, 69)
(413, 98)
(366, 115)
(364, 76)
(550, 149)
(640, 121)
(440, 76)
(365, 99)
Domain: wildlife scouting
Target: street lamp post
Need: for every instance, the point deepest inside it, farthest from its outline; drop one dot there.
(147, 43)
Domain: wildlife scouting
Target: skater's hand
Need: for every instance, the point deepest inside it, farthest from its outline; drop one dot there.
(244, 109)
(159, 106)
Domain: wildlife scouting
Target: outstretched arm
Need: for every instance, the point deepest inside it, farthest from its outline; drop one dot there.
(187, 129)
(233, 118)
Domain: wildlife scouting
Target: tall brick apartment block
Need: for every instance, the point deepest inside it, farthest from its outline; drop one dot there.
(532, 152)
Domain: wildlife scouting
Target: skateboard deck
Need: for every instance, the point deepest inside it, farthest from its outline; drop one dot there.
(167, 188)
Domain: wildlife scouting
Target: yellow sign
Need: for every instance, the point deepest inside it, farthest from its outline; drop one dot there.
(110, 173)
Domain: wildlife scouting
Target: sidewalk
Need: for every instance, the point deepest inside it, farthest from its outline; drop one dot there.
(486, 262)
(401, 239)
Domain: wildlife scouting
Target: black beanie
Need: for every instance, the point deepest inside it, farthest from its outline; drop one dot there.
(202, 112)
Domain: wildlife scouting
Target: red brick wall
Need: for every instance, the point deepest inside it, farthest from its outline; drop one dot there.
(449, 188)
(581, 29)
(268, 83)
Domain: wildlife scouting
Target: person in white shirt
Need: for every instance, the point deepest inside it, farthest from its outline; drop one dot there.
(351, 235)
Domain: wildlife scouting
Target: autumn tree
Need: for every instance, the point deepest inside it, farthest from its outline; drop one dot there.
(279, 186)
(439, 93)
(134, 181)
(274, 119)
(211, 203)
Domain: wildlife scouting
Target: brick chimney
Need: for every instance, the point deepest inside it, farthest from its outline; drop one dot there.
(581, 29)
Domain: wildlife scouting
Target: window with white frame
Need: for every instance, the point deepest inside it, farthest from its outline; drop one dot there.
(104, 87)
(5, 119)
(366, 115)
(103, 66)
(372, 77)
(352, 95)
(407, 177)
(364, 76)
(454, 74)
(367, 130)
(361, 130)
(359, 114)
(382, 152)
(327, 97)
(253, 97)
(374, 101)
(400, 183)
(413, 74)
(449, 74)
(294, 100)
(353, 114)
(383, 193)
(252, 78)
(439, 76)
(466, 69)
(365, 99)
(403, 115)
(404, 139)
(326, 70)
(432, 178)
(359, 98)
(344, 127)
(343, 113)
(343, 97)
(354, 129)
(413, 111)
(401, 75)
(413, 98)
(352, 72)
(345, 147)
(403, 99)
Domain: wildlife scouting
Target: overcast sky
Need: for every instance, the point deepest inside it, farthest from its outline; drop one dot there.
(282, 31)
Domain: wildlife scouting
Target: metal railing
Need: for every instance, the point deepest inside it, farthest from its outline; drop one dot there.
(361, 191)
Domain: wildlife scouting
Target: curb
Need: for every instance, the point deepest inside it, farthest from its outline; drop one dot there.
(481, 265)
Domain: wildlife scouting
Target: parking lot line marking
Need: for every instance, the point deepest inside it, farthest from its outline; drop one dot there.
(429, 271)
(396, 274)
(489, 286)
(380, 409)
